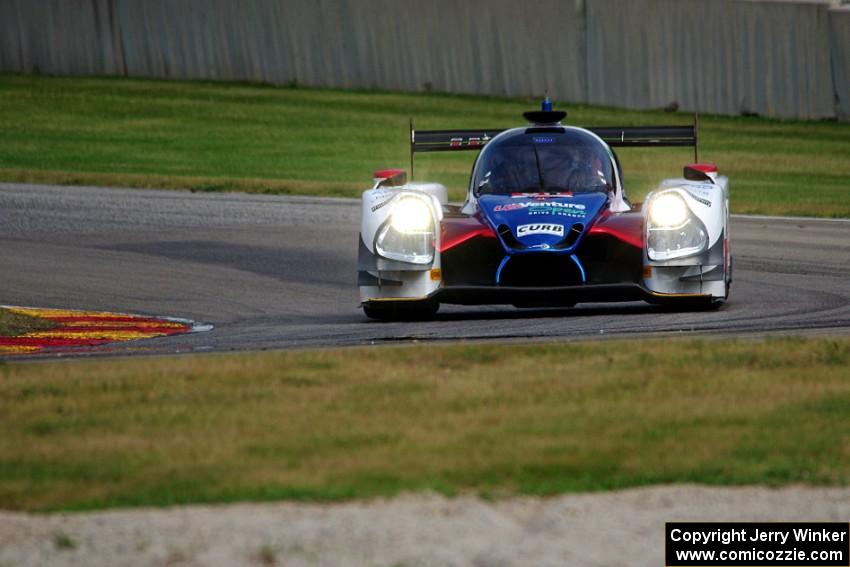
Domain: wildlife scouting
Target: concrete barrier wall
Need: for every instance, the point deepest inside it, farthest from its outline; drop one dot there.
(60, 37)
(720, 56)
(781, 58)
(839, 22)
(475, 46)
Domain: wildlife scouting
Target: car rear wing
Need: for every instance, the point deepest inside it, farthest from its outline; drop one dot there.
(614, 136)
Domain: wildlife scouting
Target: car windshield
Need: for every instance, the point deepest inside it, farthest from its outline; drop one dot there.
(571, 161)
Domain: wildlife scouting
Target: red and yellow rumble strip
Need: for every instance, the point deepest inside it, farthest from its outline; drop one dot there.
(87, 328)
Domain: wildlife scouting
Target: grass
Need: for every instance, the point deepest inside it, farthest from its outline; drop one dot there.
(14, 324)
(64, 542)
(494, 420)
(240, 137)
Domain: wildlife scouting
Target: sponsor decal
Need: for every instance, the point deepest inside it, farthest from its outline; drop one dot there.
(707, 187)
(540, 228)
(471, 142)
(549, 208)
(543, 139)
(381, 192)
(539, 195)
(697, 198)
(510, 207)
(554, 205)
(557, 213)
(381, 204)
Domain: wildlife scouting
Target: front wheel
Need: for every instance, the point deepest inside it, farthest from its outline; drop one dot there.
(418, 310)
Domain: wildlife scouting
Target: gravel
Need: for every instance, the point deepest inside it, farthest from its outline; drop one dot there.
(610, 528)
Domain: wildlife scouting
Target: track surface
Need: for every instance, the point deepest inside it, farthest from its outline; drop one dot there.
(279, 272)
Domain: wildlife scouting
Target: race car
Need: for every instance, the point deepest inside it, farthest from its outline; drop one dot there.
(546, 223)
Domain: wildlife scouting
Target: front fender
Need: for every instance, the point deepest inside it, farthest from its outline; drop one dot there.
(702, 273)
(381, 278)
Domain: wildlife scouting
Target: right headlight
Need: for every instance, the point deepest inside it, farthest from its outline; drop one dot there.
(672, 229)
(408, 234)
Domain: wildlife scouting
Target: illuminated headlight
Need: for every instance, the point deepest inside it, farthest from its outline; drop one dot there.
(668, 210)
(672, 231)
(411, 214)
(408, 234)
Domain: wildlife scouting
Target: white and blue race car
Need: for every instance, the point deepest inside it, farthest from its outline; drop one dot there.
(545, 223)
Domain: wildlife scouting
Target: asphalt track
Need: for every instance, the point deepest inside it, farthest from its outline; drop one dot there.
(279, 272)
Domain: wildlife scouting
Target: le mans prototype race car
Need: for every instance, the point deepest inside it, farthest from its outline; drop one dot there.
(545, 223)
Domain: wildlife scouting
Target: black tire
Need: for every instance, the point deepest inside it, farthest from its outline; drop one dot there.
(401, 310)
(714, 304)
(717, 302)
(729, 277)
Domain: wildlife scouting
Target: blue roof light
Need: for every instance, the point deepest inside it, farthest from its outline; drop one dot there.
(546, 106)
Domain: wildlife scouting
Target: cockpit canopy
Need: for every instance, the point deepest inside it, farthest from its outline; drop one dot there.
(538, 160)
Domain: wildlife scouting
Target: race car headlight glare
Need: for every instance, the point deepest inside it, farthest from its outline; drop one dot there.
(672, 229)
(408, 235)
(411, 214)
(668, 210)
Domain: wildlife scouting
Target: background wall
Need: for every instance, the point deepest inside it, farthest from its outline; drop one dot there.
(472, 46)
(719, 56)
(839, 22)
(770, 57)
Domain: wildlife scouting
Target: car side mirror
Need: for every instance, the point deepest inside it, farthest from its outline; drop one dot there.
(390, 177)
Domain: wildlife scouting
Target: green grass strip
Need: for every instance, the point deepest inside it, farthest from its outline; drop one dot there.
(490, 419)
(258, 138)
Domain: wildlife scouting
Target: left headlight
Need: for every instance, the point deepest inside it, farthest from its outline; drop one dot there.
(411, 215)
(408, 234)
(672, 229)
(668, 210)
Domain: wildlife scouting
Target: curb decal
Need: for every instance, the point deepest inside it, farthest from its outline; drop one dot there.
(90, 328)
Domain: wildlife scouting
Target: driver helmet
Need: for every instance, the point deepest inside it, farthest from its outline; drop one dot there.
(507, 172)
(586, 171)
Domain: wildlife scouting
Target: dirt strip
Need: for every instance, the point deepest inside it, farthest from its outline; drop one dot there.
(611, 528)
